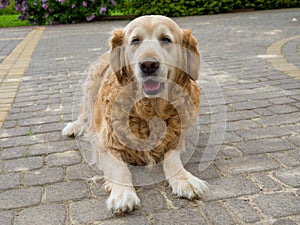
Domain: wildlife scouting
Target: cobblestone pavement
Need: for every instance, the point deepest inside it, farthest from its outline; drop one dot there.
(254, 177)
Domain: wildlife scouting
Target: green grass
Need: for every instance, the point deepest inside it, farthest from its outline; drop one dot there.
(12, 21)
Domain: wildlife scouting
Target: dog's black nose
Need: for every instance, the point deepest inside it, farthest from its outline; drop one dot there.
(149, 66)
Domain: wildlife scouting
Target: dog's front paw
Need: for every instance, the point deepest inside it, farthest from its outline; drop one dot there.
(185, 185)
(74, 128)
(122, 199)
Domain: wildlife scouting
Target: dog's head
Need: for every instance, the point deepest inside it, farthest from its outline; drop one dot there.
(153, 49)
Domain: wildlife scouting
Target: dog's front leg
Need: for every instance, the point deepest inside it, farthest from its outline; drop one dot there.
(118, 182)
(182, 182)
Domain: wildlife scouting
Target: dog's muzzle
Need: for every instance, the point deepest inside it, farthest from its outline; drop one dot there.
(152, 85)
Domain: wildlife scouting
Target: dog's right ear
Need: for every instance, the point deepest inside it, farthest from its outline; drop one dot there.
(117, 55)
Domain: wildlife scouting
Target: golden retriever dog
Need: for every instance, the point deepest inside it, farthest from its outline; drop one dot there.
(139, 101)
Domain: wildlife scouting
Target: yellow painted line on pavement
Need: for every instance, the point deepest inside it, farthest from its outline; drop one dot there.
(11, 39)
(13, 68)
(280, 62)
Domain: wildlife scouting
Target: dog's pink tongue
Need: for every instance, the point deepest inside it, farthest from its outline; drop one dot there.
(151, 85)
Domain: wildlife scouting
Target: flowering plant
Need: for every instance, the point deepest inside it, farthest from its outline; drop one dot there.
(4, 4)
(62, 11)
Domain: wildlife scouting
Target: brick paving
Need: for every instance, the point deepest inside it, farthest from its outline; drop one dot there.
(250, 71)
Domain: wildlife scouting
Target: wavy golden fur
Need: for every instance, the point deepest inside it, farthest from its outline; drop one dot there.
(112, 101)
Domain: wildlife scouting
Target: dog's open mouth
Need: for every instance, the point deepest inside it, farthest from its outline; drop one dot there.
(152, 86)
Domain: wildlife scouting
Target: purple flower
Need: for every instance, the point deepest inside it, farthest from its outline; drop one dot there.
(102, 10)
(18, 7)
(45, 6)
(43, 1)
(35, 3)
(90, 18)
(73, 6)
(84, 4)
(51, 10)
(46, 15)
(113, 2)
(62, 1)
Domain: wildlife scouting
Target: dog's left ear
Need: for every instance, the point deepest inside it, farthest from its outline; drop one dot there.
(117, 55)
(192, 54)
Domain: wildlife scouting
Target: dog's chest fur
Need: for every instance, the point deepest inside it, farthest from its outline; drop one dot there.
(123, 114)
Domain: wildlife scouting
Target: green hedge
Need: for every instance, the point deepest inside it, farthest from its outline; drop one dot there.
(199, 7)
(73, 11)
(62, 11)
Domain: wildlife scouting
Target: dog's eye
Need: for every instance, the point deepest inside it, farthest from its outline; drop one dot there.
(135, 41)
(166, 40)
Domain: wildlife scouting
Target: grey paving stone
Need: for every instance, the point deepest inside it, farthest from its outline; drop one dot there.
(52, 214)
(152, 200)
(9, 181)
(241, 115)
(290, 177)
(6, 217)
(88, 211)
(73, 190)
(263, 112)
(230, 152)
(64, 158)
(1, 166)
(263, 132)
(293, 127)
(181, 216)
(264, 145)
(22, 140)
(279, 119)
(241, 125)
(14, 152)
(283, 100)
(243, 210)
(286, 204)
(51, 127)
(9, 124)
(54, 136)
(20, 116)
(266, 183)
(209, 173)
(23, 164)
(294, 140)
(230, 187)
(247, 164)
(13, 199)
(231, 137)
(128, 220)
(80, 172)
(175, 201)
(52, 147)
(280, 109)
(284, 222)
(217, 214)
(287, 158)
(43, 176)
(38, 120)
(97, 188)
(12, 132)
(253, 104)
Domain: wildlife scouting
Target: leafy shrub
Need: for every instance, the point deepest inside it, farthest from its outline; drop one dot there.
(72, 11)
(4, 4)
(62, 11)
(199, 7)
(7, 7)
